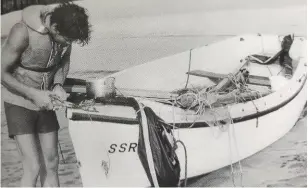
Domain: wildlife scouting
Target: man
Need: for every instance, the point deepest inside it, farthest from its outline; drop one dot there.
(35, 62)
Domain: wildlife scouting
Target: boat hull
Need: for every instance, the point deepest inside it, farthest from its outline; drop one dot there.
(107, 151)
(208, 148)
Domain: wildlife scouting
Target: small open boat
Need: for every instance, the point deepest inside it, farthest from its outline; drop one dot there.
(221, 128)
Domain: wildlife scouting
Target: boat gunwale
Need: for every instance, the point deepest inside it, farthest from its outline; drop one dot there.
(128, 101)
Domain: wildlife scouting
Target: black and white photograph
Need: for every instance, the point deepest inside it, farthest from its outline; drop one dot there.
(153, 93)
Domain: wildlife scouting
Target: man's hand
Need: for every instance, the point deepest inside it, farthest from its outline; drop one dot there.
(61, 96)
(42, 99)
(60, 92)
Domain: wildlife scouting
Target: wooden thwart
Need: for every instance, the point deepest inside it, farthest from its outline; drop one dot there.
(216, 77)
(210, 75)
(259, 80)
(223, 84)
(231, 98)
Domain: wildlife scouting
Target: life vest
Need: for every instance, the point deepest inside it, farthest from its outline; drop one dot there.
(41, 59)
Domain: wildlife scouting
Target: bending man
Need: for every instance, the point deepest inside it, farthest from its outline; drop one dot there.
(35, 62)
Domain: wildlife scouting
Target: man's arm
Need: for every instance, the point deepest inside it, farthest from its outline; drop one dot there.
(14, 46)
(62, 72)
(61, 75)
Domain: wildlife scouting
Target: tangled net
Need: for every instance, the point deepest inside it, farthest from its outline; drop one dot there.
(200, 98)
(208, 100)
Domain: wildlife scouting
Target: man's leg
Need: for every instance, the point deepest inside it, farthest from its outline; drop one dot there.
(49, 146)
(27, 146)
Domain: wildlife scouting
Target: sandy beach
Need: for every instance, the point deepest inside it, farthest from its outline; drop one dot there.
(126, 34)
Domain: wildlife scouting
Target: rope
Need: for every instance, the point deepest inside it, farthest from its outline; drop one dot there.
(262, 43)
(231, 162)
(236, 146)
(173, 118)
(269, 70)
(188, 68)
(185, 151)
(257, 123)
(280, 71)
(230, 149)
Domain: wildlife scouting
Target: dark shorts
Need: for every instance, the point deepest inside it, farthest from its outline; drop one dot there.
(24, 121)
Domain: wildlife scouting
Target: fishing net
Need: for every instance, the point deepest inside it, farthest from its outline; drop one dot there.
(236, 91)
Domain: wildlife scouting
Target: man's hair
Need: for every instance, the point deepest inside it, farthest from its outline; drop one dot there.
(72, 22)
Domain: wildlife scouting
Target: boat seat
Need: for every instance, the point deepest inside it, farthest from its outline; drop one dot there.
(216, 77)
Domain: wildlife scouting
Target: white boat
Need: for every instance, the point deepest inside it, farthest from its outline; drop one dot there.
(106, 141)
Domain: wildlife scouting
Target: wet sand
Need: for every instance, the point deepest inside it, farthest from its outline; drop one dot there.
(283, 164)
(128, 35)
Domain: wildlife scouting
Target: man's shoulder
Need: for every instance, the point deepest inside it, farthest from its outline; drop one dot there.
(18, 37)
(19, 30)
(32, 17)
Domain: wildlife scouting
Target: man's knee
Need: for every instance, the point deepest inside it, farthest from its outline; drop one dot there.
(31, 168)
(52, 162)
